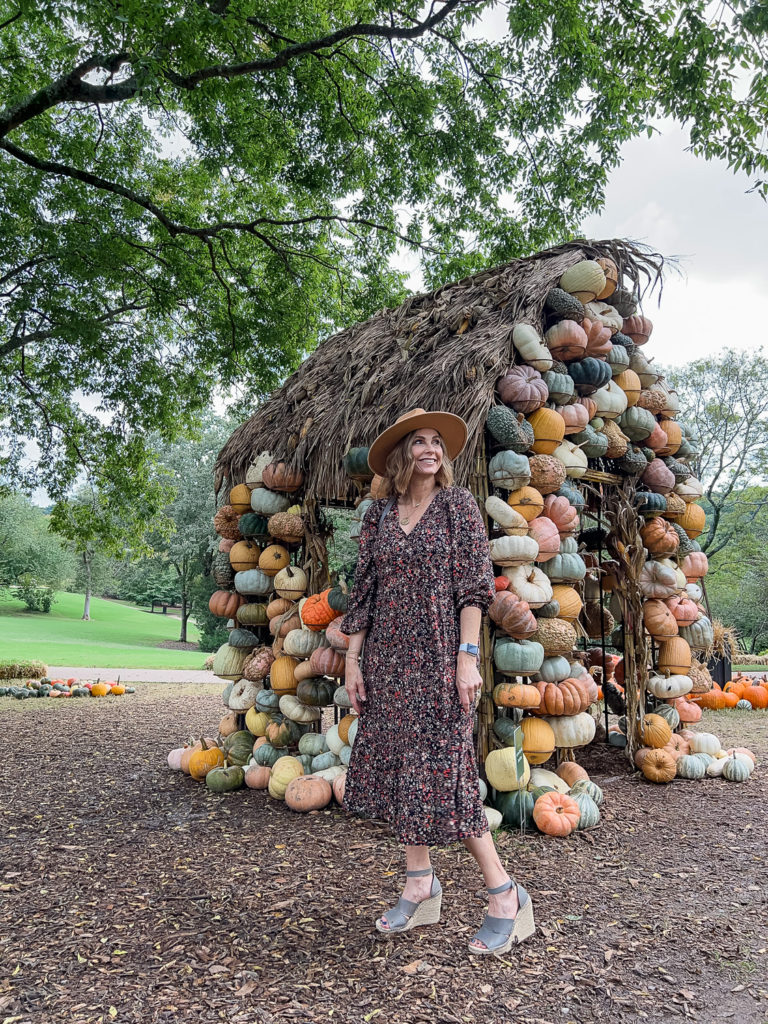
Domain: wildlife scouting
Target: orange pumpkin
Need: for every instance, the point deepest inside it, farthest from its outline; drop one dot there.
(345, 724)
(225, 604)
(735, 686)
(548, 425)
(688, 711)
(257, 776)
(571, 772)
(281, 675)
(659, 766)
(204, 760)
(756, 695)
(244, 555)
(516, 695)
(660, 538)
(97, 690)
(325, 661)
(308, 793)
(316, 613)
(556, 814)
(278, 476)
(655, 731)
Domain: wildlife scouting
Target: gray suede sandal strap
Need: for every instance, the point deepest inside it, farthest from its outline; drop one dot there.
(401, 913)
(420, 873)
(495, 931)
(502, 888)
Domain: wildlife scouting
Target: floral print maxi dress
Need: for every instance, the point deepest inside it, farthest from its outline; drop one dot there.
(413, 763)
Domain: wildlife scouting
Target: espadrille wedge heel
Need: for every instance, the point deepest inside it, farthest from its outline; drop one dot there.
(499, 934)
(407, 914)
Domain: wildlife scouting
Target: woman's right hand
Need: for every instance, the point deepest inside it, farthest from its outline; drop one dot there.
(354, 685)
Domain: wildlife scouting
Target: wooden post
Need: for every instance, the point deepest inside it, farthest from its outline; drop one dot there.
(485, 710)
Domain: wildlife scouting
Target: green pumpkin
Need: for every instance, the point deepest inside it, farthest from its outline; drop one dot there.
(4, 691)
(313, 743)
(554, 669)
(267, 700)
(560, 305)
(226, 779)
(517, 657)
(537, 791)
(305, 760)
(617, 358)
(46, 688)
(550, 610)
(590, 788)
(238, 747)
(637, 423)
(686, 544)
(649, 504)
(560, 387)
(590, 812)
(225, 694)
(566, 567)
(510, 429)
(356, 464)
(679, 470)
(516, 809)
(593, 445)
(251, 524)
(573, 494)
(649, 454)
(266, 755)
(685, 450)
(743, 705)
(589, 374)
(510, 470)
(253, 583)
(316, 692)
(669, 714)
(77, 691)
(287, 734)
(338, 599)
(252, 614)
(222, 570)
(617, 739)
(736, 769)
(504, 729)
(325, 760)
(689, 766)
(60, 686)
(633, 463)
(243, 638)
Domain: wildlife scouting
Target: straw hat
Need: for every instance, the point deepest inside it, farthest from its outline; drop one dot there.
(452, 429)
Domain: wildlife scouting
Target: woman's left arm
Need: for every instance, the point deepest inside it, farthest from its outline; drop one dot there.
(468, 679)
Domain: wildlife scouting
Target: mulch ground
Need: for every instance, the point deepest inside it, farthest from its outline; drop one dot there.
(130, 894)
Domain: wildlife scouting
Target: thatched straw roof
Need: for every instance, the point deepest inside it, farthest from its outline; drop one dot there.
(441, 350)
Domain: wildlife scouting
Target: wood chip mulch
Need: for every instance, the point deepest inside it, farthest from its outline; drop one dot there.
(130, 894)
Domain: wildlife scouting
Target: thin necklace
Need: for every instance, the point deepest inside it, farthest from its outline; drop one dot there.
(418, 504)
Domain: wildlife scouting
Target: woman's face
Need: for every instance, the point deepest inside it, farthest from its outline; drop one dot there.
(427, 452)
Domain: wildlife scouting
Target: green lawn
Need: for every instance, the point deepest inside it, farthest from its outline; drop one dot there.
(118, 635)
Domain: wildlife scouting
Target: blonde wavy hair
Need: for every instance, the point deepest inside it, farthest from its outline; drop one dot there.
(400, 466)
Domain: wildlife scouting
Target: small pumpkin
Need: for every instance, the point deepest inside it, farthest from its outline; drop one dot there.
(556, 814)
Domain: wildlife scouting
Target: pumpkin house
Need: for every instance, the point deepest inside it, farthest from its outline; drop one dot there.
(581, 469)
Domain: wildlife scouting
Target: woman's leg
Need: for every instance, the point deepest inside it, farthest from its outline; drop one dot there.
(418, 888)
(483, 849)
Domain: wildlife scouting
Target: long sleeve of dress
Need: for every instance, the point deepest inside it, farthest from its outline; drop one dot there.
(359, 613)
(473, 583)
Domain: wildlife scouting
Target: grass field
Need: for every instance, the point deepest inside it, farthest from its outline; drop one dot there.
(117, 636)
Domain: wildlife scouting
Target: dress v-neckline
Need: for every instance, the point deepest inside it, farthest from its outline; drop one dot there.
(421, 517)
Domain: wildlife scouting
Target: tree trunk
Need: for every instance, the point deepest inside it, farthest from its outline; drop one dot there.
(183, 577)
(87, 605)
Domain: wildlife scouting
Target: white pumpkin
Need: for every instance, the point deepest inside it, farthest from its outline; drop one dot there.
(493, 817)
(658, 579)
(508, 518)
(694, 592)
(243, 695)
(299, 643)
(668, 687)
(341, 698)
(680, 581)
(528, 343)
(293, 708)
(329, 774)
(605, 314)
(352, 733)
(585, 280)
(576, 670)
(334, 741)
(715, 768)
(544, 777)
(256, 468)
(610, 400)
(705, 743)
(572, 730)
(290, 582)
(573, 458)
(483, 789)
(513, 550)
(530, 584)
(501, 770)
(689, 490)
(641, 364)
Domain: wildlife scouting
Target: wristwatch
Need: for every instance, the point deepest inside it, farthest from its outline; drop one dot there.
(469, 649)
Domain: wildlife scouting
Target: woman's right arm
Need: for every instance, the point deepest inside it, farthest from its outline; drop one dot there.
(353, 677)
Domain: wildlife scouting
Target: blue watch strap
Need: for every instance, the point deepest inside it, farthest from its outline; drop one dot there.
(470, 649)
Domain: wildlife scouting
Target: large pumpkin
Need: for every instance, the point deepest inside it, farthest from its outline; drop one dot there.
(512, 615)
(327, 662)
(225, 604)
(308, 793)
(281, 675)
(244, 555)
(556, 814)
(570, 697)
(279, 476)
(548, 428)
(501, 770)
(538, 740)
(284, 770)
(316, 613)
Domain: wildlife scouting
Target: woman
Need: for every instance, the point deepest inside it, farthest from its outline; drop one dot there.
(422, 583)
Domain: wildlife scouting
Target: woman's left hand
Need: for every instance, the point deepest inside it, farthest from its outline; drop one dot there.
(469, 682)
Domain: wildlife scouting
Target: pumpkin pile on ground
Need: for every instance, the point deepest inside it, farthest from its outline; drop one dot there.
(555, 803)
(65, 688)
(690, 755)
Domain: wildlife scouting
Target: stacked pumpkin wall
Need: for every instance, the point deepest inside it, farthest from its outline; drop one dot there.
(581, 415)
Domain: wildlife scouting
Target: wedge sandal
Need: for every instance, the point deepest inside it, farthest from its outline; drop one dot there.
(500, 934)
(407, 914)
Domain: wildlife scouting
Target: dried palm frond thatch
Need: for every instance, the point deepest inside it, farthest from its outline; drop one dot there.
(441, 350)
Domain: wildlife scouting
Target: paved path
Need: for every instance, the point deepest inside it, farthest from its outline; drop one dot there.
(134, 675)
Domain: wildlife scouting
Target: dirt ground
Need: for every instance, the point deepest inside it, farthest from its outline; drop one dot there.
(130, 894)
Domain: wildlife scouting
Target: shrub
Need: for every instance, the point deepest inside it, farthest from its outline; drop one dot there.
(37, 598)
(10, 669)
